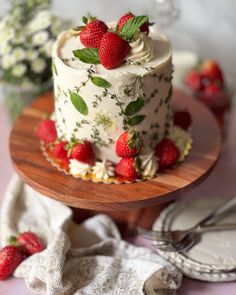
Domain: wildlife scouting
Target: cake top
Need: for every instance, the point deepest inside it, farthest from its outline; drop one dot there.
(130, 45)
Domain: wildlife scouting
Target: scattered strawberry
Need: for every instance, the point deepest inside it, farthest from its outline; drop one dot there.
(212, 89)
(59, 150)
(127, 168)
(113, 50)
(47, 131)
(167, 153)
(29, 243)
(182, 119)
(194, 80)
(83, 152)
(128, 144)
(10, 258)
(211, 69)
(126, 17)
(92, 34)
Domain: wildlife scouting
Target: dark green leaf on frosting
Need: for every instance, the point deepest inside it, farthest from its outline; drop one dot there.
(79, 103)
(134, 106)
(87, 55)
(100, 82)
(133, 121)
(131, 26)
(54, 68)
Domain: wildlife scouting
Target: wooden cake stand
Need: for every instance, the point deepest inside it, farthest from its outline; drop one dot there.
(37, 172)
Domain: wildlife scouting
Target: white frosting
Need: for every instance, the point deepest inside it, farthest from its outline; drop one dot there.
(103, 170)
(149, 165)
(72, 73)
(77, 168)
(141, 49)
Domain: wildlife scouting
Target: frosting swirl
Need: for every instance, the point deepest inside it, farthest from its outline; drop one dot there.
(149, 165)
(77, 168)
(141, 49)
(103, 170)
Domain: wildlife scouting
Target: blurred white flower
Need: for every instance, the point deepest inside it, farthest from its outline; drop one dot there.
(47, 48)
(7, 34)
(31, 54)
(18, 70)
(7, 62)
(5, 48)
(19, 54)
(41, 22)
(18, 39)
(38, 65)
(56, 26)
(40, 38)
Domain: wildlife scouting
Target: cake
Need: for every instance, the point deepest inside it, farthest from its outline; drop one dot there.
(113, 90)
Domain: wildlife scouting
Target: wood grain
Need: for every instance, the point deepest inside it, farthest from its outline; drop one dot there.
(39, 174)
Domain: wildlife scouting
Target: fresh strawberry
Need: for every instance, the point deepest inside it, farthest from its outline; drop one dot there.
(29, 243)
(127, 168)
(83, 152)
(113, 50)
(194, 80)
(182, 119)
(47, 131)
(92, 34)
(59, 150)
(211, 69)
(128, 144)
(126, 17)
(167, 153)
(212, 89)
(10, 258)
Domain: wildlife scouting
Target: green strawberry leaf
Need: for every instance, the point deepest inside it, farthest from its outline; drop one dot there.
(87, 55)
(54, 68)
(85, 20)
(100, 82)
(131, 26)
(133, 121)
(135, 106)
(79, 103)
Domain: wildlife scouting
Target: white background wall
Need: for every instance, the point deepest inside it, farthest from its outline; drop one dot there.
(207, 27)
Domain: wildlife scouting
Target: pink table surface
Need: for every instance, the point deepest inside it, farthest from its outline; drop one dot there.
(220, 182)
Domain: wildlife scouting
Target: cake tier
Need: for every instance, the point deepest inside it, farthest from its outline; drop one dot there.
(97, 104)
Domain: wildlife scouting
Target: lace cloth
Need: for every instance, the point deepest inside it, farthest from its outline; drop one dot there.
(85, 259)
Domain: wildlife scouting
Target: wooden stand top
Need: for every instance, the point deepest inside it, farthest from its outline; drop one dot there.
(37, 172)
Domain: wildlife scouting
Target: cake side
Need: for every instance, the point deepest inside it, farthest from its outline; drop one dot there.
(134, 97)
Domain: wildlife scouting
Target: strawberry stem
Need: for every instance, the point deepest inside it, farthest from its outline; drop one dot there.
(13, 241)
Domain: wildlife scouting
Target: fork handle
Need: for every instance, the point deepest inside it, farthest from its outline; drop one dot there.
(215, 227)
(220, 212)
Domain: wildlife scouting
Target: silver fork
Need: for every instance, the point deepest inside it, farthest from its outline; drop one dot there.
(175, 236)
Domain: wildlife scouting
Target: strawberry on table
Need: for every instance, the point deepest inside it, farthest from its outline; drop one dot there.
(182, 119)
(212, 89)
(92, 34)
(126, 17)
(59, 150)
(113, 50)
(29, 243)
(82, 151)
(128, 144)
(127, 168)
(167, 153)
(47, 131)
(211, 69)
(194, 80)
(10, 258)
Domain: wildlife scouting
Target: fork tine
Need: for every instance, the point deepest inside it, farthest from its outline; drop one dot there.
(155, 235)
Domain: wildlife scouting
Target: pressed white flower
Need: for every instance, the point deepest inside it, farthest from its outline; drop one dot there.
(40, 38)
(7, 61)
(19, 53)
(5, 48)
(41, 22)
(31, 54)
(38, 65)
(105, 120)
(47, 48)
(18, 70)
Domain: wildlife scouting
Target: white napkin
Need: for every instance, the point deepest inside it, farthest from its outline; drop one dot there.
(85, 259)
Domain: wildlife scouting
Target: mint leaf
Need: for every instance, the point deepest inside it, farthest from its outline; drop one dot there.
(100, 82)
(131, 26)
(79, 103)
(87, 55)
(134, 106)
(85, 20)
(133, 121)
